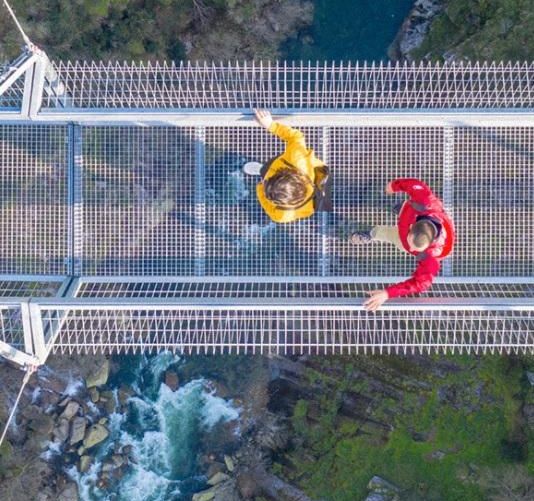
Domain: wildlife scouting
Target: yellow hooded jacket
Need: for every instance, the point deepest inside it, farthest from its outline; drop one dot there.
(304, 159)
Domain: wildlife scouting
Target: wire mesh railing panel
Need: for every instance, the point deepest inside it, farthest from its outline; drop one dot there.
(11, 329)
(137, 192)
(16, 288)
(11, 98)
(493, 202)
(240, 239)
(292, 331)
(363, 160)
(290, 289)
(34, 214)
(282, 85)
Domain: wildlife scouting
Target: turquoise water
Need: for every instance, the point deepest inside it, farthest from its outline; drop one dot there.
(162, 428)
(350, 30)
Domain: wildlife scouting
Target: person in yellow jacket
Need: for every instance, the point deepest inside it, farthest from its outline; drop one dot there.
(295, 184)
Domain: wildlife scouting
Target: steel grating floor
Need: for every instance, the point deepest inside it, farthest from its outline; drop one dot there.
(114, 201)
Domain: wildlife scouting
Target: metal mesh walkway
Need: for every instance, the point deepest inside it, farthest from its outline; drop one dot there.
(125, 237)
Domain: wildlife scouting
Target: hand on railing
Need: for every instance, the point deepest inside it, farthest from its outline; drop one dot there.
(264, 118)
(377, 299)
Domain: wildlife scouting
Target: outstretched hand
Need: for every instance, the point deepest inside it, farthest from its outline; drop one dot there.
(377, 299)
(389, 188)
(264, 118)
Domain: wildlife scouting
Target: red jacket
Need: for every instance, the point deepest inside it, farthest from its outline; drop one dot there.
(422, 202)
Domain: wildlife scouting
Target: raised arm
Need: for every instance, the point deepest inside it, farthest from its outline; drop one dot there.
(417, 190)
(420, 281)
(284, 132)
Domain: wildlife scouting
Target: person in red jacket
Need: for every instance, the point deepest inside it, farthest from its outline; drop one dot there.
(423, 230)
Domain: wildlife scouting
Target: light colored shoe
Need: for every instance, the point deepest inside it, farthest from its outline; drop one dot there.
(252, 168)
(361, 237)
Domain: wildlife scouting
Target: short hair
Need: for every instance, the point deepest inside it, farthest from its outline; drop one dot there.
(423, 232)
(286, 188)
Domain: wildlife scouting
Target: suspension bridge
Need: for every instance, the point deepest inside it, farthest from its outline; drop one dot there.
(126, 224)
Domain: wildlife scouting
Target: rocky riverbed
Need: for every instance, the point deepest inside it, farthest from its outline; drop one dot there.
(280, 433)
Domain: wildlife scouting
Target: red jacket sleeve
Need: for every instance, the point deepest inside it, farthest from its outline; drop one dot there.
(417, 190)
(421, 280)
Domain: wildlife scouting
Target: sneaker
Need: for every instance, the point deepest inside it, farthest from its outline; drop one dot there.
(252, 168)
(361, 237)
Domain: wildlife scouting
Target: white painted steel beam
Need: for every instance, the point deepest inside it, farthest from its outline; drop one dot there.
(298, 118)
(285, 304)
(17, 356)
(17, 72)
(295, 279)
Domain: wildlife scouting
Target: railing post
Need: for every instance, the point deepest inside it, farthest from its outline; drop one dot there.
(75, 194)
(39, 342)
(324, 257)
(200, 202)
(27, 327)
(448, 184)
(34, 81)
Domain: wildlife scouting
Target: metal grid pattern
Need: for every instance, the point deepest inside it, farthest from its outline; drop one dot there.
(137, 200)
(363, 161)
(173, 201)
(493, 202)
(11, 98)
(239, 237)
(291, 331)
(261, 290)
(309, 85)
(11, 329)
(12, 288)
(34, 216)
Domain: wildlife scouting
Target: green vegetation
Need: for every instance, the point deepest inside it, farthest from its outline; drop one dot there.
(445, 443)
(154, 29)
(491, 30)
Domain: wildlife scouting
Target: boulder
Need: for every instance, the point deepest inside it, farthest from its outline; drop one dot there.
(64, 401)
(108, 399)
(118, 460)
(376, 497)
(94, 395)
(95, 435)
(69, 493)
(171, 380)
(229, 462)
(85, 463)
(387, 490)
(214, 468)
(71, 409)
(208, 495)
(218, 478)
(124, 394)
(42, 424)
(53, 382)
(100, 377)
(77, 431)
(439, 455)
(61, 431)
(48, 399)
